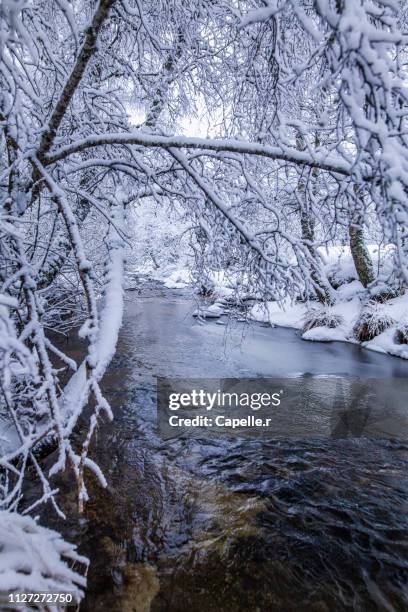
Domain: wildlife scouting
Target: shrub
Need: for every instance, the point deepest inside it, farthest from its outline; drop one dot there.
(206, 288)
(337, 279)
(401, 333)
(373, 320)
(321, 317)
(382, 296)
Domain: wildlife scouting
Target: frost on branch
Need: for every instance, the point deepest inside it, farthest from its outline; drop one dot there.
(41, 226)
(34, 559)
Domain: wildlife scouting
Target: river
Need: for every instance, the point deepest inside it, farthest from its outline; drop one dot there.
(235, 524)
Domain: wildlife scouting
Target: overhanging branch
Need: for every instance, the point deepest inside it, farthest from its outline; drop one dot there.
(282, 153)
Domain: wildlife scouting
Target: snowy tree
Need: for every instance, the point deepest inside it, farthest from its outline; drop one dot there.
(308, 110)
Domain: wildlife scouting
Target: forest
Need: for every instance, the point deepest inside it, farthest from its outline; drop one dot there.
(260, 147)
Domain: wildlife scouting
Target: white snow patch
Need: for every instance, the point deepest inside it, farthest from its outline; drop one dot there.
(35, 559)
(348, 306)
(287, 314)
(177, 279)
(326, 334)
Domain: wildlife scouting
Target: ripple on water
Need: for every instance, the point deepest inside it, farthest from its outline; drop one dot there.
(235, 524)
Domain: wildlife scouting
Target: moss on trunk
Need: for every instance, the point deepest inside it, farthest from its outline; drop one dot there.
(360, 254)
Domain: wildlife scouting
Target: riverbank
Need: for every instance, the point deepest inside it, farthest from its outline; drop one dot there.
(341, 322)
(349, 311)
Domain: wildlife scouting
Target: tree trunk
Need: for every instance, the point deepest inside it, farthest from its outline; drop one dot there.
(321, 283)
(307, 223)
(361, 256)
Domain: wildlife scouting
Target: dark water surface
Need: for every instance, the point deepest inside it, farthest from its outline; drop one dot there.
(236, 524)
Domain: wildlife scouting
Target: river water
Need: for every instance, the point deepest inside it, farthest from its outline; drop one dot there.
(235, 524)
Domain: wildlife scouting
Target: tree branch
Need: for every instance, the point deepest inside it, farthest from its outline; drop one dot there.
(282, 153)
(84, 55)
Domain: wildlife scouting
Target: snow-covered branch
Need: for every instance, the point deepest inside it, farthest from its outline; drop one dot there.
(323, 161)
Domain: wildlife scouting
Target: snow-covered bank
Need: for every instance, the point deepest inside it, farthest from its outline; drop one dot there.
(352, 301)
(293, 315)
(343, 318)
(174, 279)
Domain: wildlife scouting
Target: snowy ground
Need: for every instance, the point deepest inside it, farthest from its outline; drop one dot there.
(292, 315)
(174, 278)
(351, 298)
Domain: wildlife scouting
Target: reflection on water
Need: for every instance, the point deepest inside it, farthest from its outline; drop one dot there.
(298, 407)
(233, 524)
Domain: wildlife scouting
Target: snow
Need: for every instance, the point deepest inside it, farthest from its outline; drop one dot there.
(177, 279)
(325, 334)
(339, 264)
(260, 312)
(286, 314)
(325, 161)
(291, 315)
(113, 304)
(110, 320)
(262, 14)
(350, 299)
(35, 559)
(215, 311)
(349, 291)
